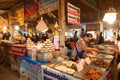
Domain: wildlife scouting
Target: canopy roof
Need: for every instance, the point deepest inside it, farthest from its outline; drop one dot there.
(91, 10)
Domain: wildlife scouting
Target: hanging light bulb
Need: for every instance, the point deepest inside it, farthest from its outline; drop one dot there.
(17, 27)
(4, 28)
(110, 16)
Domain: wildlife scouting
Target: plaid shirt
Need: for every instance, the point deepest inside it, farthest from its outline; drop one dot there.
(81, 44)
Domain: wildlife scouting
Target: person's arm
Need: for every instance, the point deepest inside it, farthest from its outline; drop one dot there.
(114, 49)
(82, 46)
(118, 51)
(91, 49)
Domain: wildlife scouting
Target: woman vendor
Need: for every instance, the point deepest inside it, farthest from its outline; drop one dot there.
(81, 46)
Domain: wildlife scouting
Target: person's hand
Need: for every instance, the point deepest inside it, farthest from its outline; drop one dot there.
(111, 48)
(95, 49)
(93, 53)
(78, 60)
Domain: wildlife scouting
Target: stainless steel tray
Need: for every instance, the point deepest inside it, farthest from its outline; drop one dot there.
(82, 73)
(107, 52)
(107, 61)
(105, 57)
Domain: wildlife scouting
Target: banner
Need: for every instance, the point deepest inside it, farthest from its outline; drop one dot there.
(20, 16)
(73, 19)
(31, 9)
(29, 69)
(51, 74)
(3, 22)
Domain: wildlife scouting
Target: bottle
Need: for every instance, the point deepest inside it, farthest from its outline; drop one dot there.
(33, 54)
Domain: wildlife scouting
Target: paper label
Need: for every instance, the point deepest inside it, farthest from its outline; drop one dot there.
(87, 60)
(81, 65)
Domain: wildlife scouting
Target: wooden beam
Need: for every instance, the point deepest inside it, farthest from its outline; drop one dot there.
(88, 4)
(44, 9)
(7, 1)
(47, 11)
(21, 4)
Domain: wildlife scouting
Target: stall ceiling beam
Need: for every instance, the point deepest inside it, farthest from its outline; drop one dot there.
(17, 6)
(8, 2)
(88, 4)
(44, 11)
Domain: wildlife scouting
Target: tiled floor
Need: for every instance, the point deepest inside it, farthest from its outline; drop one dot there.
(7, 74)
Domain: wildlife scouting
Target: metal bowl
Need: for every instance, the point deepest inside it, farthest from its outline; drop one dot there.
(45, 56)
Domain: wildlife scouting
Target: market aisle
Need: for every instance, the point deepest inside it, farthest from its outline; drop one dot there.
(7, 74)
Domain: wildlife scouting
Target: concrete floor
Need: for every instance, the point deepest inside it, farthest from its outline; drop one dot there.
(7, 74)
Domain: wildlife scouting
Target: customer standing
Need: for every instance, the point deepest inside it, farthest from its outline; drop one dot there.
(117, 49)
(1, 36)
(100, 39)
(75, 37)
(82, 33)
(114, 37)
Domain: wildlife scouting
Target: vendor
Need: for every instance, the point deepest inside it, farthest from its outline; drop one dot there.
(50, 35)
(6, 36)
(117, 49)
(81, 46)
(19, 37)
(117, 43)
(1, 36)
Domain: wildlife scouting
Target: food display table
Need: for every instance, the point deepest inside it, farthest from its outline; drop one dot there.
(36, 70)
(89, 72)
(99, 69)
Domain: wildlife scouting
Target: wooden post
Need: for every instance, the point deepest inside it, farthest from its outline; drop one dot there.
(62, 25)
(9, 24)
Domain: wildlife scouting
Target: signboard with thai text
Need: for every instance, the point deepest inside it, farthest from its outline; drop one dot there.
(31, 9)
(52, 74)
(73, 14)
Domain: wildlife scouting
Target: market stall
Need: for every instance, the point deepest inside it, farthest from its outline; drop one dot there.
(42, 63)
(98, 69)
